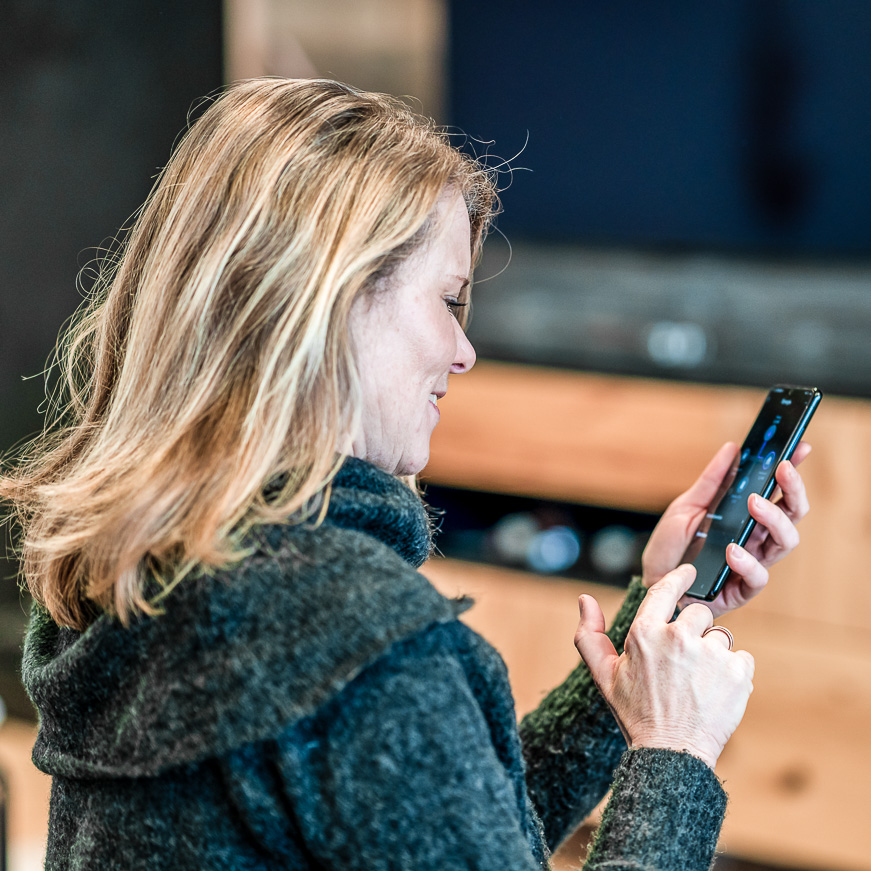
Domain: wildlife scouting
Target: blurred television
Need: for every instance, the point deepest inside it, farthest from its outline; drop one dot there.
(691, 185)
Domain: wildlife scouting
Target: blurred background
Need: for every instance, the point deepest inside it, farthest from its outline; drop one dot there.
(687, 220)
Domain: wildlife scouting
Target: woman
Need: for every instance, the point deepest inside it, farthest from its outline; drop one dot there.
(236, 662)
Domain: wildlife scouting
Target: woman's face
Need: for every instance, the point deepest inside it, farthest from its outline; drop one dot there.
(407, 340)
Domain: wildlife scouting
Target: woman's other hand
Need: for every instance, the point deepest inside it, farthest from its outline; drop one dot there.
(774, 536)
(673, 687)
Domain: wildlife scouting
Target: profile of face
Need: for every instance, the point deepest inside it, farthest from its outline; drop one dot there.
(407, 340)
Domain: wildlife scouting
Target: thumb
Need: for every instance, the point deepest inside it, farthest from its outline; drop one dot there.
(592, 643)
(716, 475)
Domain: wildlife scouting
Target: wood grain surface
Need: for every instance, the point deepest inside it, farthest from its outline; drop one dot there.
(798, 770)
(635, 443)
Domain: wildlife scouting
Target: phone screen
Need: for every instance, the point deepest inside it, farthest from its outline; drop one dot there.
(772, 439)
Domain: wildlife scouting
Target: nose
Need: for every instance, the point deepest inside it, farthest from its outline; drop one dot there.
(465, 356)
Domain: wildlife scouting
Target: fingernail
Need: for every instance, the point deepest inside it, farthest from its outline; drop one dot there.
(738, 553)
(687, 569)
(581, 605)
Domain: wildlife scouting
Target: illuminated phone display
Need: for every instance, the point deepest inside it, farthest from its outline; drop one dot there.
(772, 439)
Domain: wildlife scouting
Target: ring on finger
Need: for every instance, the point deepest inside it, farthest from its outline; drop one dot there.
(729, 637)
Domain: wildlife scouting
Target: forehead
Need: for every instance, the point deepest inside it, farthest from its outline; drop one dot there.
(451, 234)
(444, 255)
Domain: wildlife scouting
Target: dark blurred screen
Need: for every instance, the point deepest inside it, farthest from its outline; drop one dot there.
(725, 125)
(92, 97)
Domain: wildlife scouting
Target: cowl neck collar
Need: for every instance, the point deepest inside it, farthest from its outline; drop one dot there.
(369, 500)
(238, 655)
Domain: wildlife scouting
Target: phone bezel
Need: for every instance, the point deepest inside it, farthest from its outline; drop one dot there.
(814, 395)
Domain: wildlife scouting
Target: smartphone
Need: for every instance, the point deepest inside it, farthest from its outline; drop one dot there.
(785, 414)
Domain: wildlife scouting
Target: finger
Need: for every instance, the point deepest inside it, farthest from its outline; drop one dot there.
(719, 635)
(749, 661)
(748, 568)
(593, 644)
(662, 598)
(781, 529)
(697, 617)
(793, 499)
(800, 454)
(708, 483)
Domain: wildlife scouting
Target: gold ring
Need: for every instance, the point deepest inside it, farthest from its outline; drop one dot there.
(722, 629)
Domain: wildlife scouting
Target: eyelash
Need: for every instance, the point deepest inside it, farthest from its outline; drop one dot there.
(455, 306)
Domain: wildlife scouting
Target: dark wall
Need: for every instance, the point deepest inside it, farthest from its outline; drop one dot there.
(736, 125)
(92, 97)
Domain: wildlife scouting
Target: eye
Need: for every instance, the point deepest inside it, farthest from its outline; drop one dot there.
(454, 306)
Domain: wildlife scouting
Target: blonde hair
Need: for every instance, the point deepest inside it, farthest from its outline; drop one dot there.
(214, 354)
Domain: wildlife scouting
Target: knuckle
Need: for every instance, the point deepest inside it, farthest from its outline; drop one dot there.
(664, 585)
(800, 507)
(638, 639)
(641, 625)
(758, 578)
(696, 610)
(660, 589)
(682, 636)
(740, 680)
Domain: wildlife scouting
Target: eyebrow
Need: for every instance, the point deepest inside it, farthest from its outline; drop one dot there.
(464, 282)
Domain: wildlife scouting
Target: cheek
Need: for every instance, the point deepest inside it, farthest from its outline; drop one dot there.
(447, 342)
(428, 355)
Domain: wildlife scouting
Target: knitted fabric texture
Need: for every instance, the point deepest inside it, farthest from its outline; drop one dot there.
(319, 705)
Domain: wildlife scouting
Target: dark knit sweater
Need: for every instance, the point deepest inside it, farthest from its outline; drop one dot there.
(320, 706)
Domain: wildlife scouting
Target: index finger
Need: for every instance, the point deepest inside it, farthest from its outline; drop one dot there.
(663, 596)
(800, 453)
(793, 495)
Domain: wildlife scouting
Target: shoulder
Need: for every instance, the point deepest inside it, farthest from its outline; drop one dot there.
(400, 750)
(449, 641)
(236, 656)
(440, 693)
(445, 681)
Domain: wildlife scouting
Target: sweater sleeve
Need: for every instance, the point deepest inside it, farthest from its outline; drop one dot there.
(572, 743)
(401, 771)
(666, 807)
(665, 813)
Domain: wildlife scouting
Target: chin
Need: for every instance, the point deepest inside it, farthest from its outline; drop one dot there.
(410, 469)
(412, 465)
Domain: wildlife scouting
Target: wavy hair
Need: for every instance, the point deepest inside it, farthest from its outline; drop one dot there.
(213, 355)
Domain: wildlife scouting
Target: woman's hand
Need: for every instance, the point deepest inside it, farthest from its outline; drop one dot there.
(772, 539)
(672, 687)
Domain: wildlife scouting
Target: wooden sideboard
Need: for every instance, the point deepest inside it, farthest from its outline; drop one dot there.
(798, 770)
